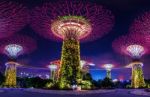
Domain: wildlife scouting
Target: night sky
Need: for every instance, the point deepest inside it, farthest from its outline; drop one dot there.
(99, 51)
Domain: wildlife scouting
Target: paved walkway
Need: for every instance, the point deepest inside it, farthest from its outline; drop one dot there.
(82, 92)
(22, 93)
(140, 92)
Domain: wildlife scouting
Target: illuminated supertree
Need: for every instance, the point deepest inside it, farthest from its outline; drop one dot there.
(13, 47)
(71, 21)
(57, 70)
(107, 61)
(108, 68)
(135, 46)
(13, 17)
(85, 67)
(83, 64)
(53, 69)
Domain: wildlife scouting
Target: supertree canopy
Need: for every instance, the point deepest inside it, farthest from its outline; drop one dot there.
(85, 66)
(13, 50)
(13, 47)
(135, 46)
(76, 27)
(108, 66)
(90, 23)
(135, 50)
(71, 21)
(17, 45)
(52, 67)
(13, 17)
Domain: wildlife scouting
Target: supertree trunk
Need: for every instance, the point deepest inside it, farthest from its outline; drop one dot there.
(137, 76)
(10, 74)
(108, 75)
(53, 75)
(70, 63)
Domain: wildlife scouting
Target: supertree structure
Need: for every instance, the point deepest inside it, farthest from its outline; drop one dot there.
(71, 21)
(108, 68)
(85, 67)
(135, 48)
(83, 64)
(56, 73)
(13, 47)
(108, 62)
(53, 68)
(13, 17)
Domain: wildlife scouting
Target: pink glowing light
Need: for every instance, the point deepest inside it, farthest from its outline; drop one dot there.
(13, 17)
(141, 24)
(134, 45)
(17, 45)
(77, 26)
(53, 20)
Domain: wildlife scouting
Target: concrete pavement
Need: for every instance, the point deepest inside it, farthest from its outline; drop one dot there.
(22, 93)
